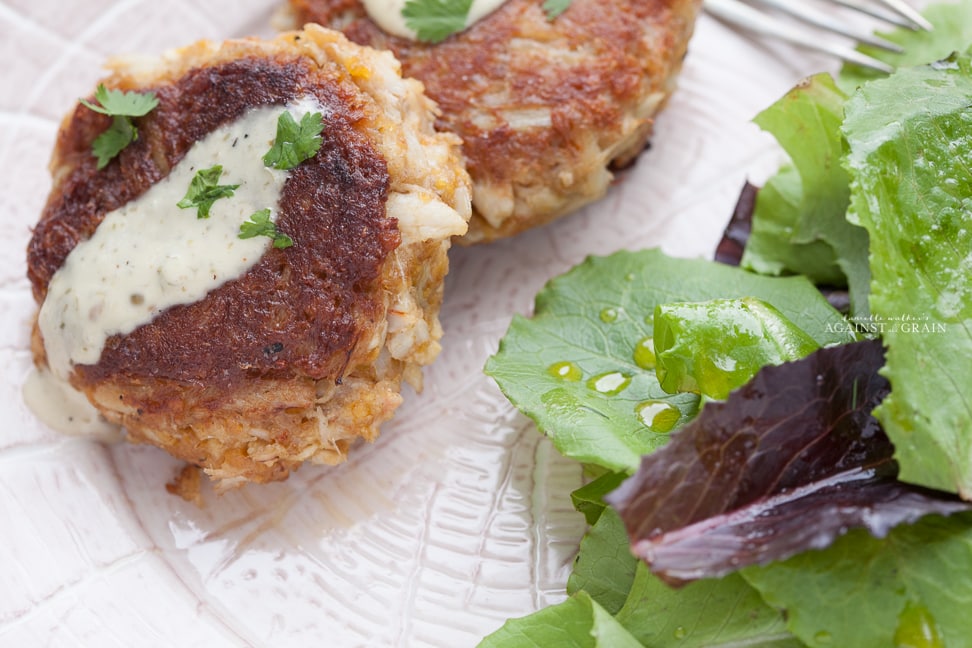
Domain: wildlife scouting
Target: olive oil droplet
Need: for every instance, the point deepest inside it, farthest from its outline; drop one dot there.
(610, 383)
(644, 353)
(917, 628)
(658, 415)
(609, 315)
(565, 370)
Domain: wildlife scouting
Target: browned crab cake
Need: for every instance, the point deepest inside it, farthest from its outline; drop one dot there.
(299, 350)
(545, 108)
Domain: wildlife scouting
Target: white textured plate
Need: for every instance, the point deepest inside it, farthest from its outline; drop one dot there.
(456, 519)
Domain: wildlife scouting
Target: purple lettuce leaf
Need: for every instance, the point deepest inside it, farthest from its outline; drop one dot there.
(736, 235)
(787, 463)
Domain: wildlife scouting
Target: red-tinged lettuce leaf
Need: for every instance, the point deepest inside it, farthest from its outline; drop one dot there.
(736, 235)
(788, 462)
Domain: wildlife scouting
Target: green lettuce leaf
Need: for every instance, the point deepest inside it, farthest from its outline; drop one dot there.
(799, 224)
(710, 613)
(739, 337)
(578, 622)
(605, 568)
(910, 139)
(867, 592)
(705, 614)
(770, 248)
(583, 369)
(589, 498)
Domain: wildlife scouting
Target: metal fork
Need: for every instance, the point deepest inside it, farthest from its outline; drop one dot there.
(767, 21)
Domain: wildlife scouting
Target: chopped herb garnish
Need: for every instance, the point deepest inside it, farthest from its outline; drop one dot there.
(122, 106)
(204, 190)
(435, 20)
(113, 141)
(295, 142)
(555, 7)
(119, 102)
(261, 225)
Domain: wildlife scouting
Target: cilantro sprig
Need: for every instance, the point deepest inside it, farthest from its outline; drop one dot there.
(295, 142)
(261, 225)
(121, 106)
(204, 190)
(435, 20)
(554, 8)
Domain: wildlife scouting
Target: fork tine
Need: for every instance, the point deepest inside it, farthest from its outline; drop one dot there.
(903, 8)
(800, 10)
(746, 17)
(868, 9)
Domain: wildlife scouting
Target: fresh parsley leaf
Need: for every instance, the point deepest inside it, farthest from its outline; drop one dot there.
(261, 225)
(294, 142)
(119, 103)
(113, 141)
(204, 190)
(122, 106)
(554, 8)
(435, 20)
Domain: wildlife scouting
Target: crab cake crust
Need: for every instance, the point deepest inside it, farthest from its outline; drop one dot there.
(306, 351)
(545, 109)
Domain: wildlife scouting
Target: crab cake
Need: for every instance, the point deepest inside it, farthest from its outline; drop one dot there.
(545, 108)
(250, 280)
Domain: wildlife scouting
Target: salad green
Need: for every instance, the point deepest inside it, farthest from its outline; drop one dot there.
(878, 196)
(598, 396)
(709, 613)
(798, 224)
(865, 591)
(739, 336)
(786, 463)
(910, 159)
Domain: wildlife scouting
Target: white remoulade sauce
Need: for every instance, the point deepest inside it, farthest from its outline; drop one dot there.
(387, 14)
(63, 408)
(150, 254)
